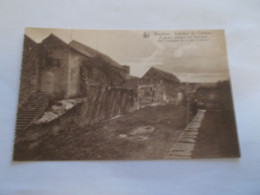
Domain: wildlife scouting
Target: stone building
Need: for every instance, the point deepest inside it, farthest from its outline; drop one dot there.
(55, 67)
(53, 70)
(28, 69)
(158, 87)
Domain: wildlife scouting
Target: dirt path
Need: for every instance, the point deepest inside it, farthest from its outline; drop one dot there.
(145, 134)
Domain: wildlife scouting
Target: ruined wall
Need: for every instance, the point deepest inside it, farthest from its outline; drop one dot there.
(106, 102)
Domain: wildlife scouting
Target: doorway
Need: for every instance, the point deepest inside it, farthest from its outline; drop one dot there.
(47, 82)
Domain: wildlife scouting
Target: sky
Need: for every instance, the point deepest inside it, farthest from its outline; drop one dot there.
(192, 56)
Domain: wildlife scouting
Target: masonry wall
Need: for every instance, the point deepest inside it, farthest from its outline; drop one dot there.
(28, 78)
(54, 58)
(151, 93)
(163, 92)
(75, 62)
(95, 72)
(106, 102)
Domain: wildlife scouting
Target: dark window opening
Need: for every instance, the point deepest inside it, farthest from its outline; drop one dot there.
(52, 62)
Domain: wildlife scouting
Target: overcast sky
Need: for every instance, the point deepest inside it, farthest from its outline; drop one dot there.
(202, 59)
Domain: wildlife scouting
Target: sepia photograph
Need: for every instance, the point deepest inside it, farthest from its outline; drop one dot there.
(124, 95)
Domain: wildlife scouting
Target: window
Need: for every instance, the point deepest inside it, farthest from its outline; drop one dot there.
(51, 62)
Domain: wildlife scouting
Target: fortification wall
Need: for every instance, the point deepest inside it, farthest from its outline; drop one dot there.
(106, 102)
(101, 103)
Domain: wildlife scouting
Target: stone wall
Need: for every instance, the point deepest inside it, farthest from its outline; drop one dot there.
(160, 93)
(28, 78)
(95, 72)
(53, 67)
(101, 103)
(151, 93)
(75, 61)
(54, 60)
(106, 102)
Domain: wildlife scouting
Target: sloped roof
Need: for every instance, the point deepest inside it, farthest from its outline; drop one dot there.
(83, 49)
(52, 39)
(87, 51)
(164, 75)
(27, 38)
(92, 53)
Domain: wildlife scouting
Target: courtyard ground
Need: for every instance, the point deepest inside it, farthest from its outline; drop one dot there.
(144, 134)
(149, 133)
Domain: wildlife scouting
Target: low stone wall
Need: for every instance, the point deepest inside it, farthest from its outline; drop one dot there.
(106, 102)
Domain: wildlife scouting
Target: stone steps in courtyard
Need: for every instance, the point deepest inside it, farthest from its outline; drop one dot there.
(34, 105)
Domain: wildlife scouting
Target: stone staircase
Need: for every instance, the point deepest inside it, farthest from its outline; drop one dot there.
(31, 109)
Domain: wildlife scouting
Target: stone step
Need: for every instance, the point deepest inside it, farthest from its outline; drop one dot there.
(34, 105)
(26, 114)
(28, 111)
(22, 122)
(20, 128)
(183, 148)
(37, 105)
(37, 100)
(22, 125)
(24, 119)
